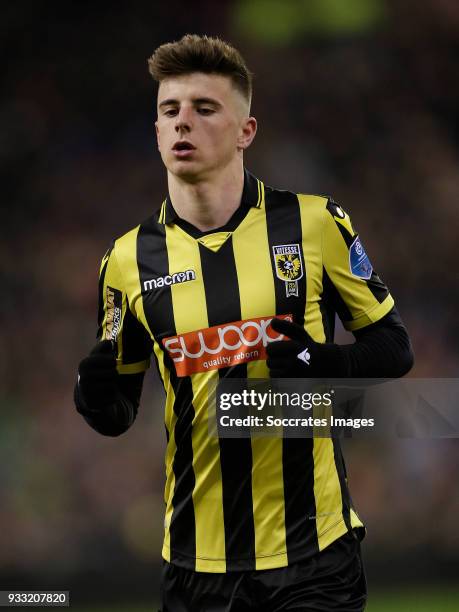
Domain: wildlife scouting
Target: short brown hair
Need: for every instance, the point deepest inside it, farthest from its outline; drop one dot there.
(193, 53)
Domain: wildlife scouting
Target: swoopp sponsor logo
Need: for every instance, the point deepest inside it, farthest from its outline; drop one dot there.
(222, 346)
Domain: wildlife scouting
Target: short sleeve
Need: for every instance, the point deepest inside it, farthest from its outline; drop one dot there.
(117, 322)
(357, 293)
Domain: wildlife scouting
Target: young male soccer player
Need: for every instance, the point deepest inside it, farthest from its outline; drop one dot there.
(250, 524)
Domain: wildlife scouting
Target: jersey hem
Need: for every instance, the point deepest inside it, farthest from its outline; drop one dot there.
(263, 562)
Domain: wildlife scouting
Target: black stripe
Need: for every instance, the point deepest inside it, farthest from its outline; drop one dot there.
(377, 287)
(347, 237)
(284, 227)
(331, 296)
(332, 208)
(374, 284)
(341, 469)
(223, 306)
(152, 261)
(137, 345)
(328, 318)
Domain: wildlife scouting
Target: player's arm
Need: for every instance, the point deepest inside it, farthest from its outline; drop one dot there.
(110, 378)
(107, 400)
(382, 348)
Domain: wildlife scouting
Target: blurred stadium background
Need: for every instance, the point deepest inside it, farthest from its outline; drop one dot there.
(358, 99)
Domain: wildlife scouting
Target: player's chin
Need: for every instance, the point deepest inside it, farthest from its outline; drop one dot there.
(189, 174)
(189, 170)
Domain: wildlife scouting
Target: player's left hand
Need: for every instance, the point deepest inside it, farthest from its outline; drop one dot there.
(301, 356)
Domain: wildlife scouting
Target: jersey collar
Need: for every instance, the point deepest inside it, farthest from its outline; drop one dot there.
(251, 197)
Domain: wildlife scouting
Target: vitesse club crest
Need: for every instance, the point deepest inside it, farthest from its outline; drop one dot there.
(289, 267)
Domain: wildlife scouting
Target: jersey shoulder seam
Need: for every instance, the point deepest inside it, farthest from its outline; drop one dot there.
(317, 197)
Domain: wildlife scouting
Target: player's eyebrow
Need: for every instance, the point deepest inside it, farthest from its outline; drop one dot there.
(174, 102)
(168, 102)
(207, 101)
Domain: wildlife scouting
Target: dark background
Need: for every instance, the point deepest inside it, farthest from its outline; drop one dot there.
(357, 99)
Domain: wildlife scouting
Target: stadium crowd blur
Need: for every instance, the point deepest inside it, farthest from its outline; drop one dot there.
(360, 104)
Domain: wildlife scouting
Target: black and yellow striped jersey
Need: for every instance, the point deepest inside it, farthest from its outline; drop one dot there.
(201, 303)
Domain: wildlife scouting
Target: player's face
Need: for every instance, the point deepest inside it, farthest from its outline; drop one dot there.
(202, 124)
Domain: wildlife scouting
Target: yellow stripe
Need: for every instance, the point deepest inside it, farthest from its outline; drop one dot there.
(170, 419)
(163, 371)
(190, 313)
(261, 194)
(207, 494)
(372, 316)
(355, 519)
(257, 297)
(311, 208)
(346, 223)
(126, 248)
(327, 489)
(125, 251)
(105, 258)
(334, 532)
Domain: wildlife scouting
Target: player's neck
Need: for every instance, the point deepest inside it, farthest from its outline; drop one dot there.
(210, 203)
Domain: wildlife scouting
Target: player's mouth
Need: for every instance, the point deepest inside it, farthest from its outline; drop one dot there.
(183, 149)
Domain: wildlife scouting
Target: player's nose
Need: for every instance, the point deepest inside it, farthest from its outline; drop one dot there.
(183, 120)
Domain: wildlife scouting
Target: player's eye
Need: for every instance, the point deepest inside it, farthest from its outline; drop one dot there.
(202, 110)
(170, 112)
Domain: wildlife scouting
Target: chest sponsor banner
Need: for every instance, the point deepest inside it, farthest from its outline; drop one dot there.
(223, 345)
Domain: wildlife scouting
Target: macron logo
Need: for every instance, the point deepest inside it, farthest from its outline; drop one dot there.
(305, 356)
(168, 280)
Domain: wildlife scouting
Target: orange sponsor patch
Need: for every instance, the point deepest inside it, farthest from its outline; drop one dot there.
(222, 346)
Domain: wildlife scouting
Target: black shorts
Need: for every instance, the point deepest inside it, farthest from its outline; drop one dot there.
(332, 580)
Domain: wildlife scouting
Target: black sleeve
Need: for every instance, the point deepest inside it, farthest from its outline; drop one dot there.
(116, 418)
(381, 350)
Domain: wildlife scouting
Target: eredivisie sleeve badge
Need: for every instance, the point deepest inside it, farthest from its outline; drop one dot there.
(359, 264)
(289, 267)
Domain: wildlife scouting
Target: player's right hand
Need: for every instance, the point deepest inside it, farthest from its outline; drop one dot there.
(97, 376)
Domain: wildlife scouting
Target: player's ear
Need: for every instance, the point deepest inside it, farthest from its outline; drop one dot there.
(247, 132)
(157, 135)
